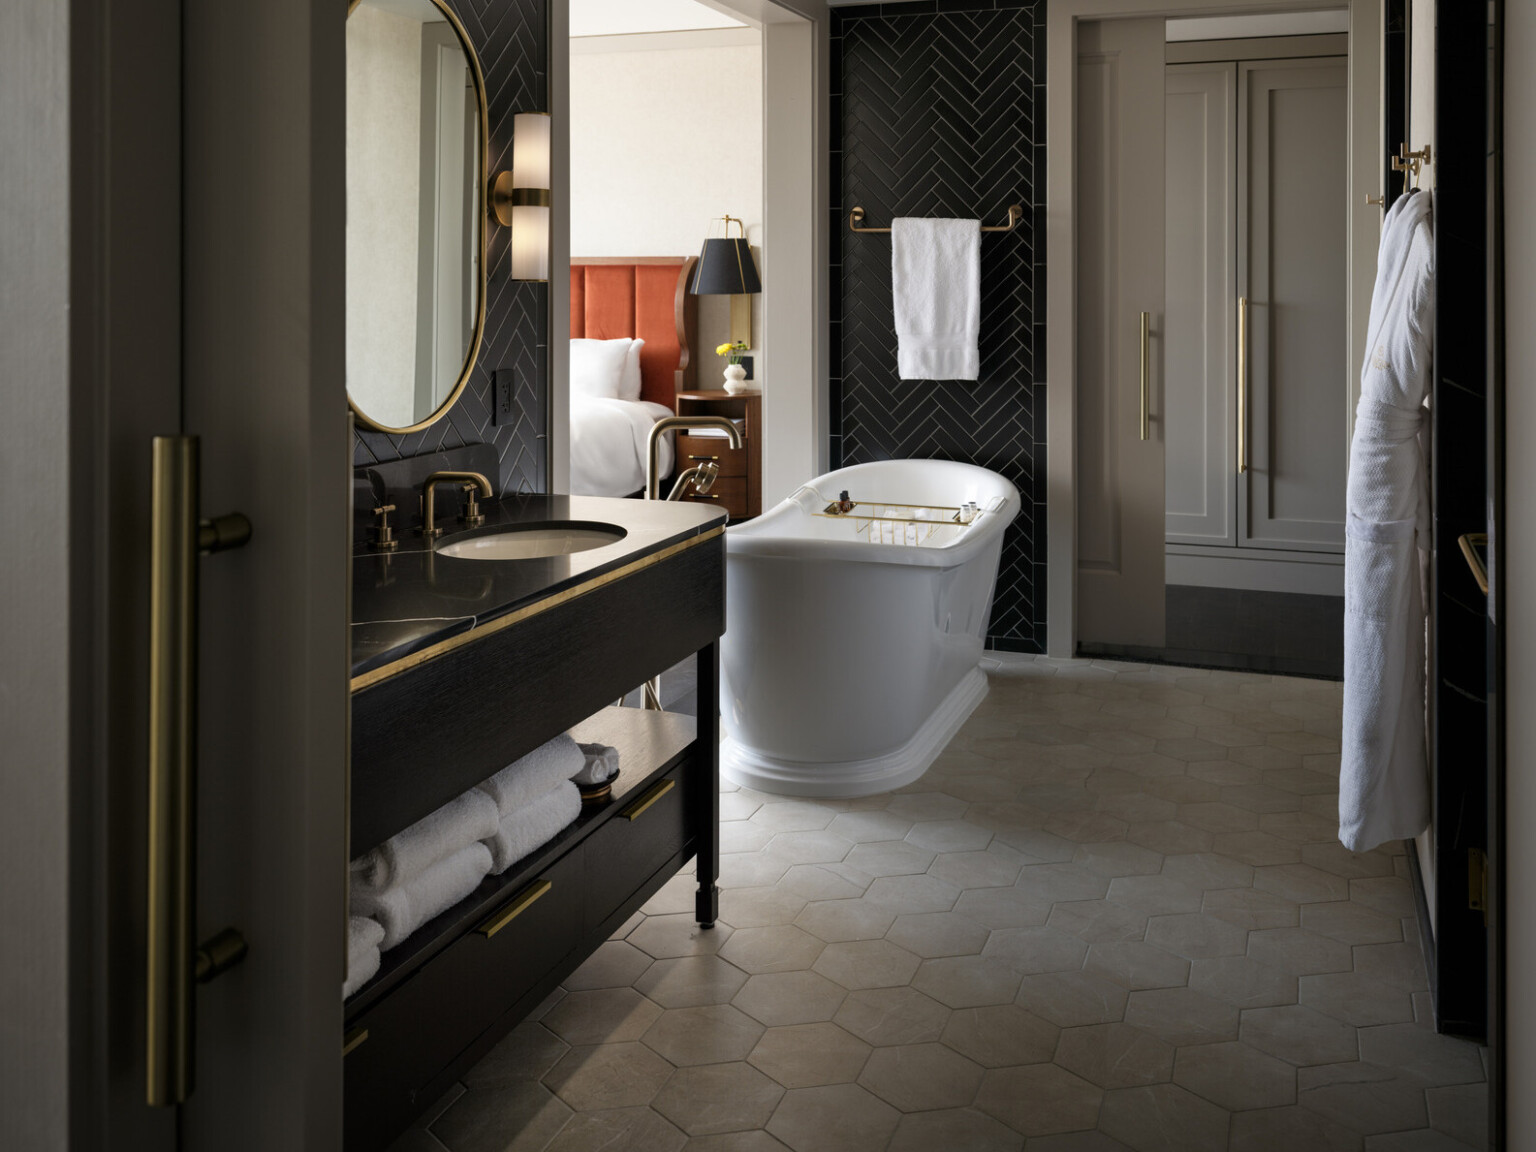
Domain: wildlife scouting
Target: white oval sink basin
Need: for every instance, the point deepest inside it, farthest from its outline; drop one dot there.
(533, 542)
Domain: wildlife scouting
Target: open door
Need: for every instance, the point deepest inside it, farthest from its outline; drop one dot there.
(205, 211)
(1120, 500)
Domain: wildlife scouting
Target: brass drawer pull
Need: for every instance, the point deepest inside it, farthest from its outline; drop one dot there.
(1470, 543)
(655, 793)
(353, 1041)
(516, 908)
(703, 457)
(703, 496)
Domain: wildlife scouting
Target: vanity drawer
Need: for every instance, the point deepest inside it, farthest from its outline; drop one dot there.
(649, 829)
(693, 450)
(420, 1028)
(728, 492)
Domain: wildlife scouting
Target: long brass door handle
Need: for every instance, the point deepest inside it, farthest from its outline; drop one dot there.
(1469, 544)
(653, 794)
(1242, 385)
(1146, 419)
(513, 908)
(174, 962)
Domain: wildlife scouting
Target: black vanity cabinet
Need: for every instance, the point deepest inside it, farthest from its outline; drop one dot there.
(436, 722)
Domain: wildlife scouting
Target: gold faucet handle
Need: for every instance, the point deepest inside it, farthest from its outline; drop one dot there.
(385, 540)
(471, 514)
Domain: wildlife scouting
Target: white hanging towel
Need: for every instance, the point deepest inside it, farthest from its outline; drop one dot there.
(1383, 785)
(936, 295)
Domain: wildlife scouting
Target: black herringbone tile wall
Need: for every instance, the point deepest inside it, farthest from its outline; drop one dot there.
(511, 40)
(938, 110)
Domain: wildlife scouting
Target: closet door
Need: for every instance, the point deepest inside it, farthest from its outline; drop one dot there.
(1199, 353)
(1120, 279)
(1292, 268)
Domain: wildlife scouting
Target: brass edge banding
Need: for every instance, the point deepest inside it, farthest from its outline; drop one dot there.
(655, 793)
(405, 663)
(353, 1040)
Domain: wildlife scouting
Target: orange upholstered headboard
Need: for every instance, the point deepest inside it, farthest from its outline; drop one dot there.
(645, 297)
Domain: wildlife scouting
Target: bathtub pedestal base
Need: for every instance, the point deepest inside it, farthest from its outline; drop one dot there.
(843, 779)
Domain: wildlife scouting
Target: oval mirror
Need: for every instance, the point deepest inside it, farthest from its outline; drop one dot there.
(415, 211)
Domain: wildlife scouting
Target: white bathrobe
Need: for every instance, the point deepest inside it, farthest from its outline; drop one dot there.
(1383, 784)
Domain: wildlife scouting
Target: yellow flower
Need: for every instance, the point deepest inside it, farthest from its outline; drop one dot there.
(722, 349)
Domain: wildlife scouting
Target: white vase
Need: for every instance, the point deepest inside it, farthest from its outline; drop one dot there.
(735, 379)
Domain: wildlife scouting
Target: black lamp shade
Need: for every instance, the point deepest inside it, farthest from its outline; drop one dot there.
(725, 268)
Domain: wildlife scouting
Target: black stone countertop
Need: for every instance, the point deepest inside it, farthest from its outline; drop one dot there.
(412, 598)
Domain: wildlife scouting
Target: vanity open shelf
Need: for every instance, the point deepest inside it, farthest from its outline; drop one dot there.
(480, 683)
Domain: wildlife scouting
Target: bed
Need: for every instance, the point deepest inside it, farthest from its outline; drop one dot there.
(627, 298)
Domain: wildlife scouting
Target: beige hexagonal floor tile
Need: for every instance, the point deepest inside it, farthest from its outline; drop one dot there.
(1182, 1016)
(520, 1117)
(758, 907)
(1164, 1118)
(1299, 1035)
(707, 1034)
(793, 816)
(1195, 936)
(1001, 1036)
(867, 827)
(602, 1076)
(1115, 1055)
(1299, 952)
(834, 1118)
(780, 948)
(716, 1098)
(841, 920)
(1368, 1098)
(1288, 1129)
(921, 1077)
(967, 981)
(1356, 999)
(953, 1128)
(867, 964)
(1351, 923)
(633, 1129)
(601, 1016)
(996, 867)
(1242, 982)
(779, 998)
(1251, 908)
(881, 1016)
(1039, 1099)
(1137, 965)
(1027, 951)
(1235, 1076)
(1071, 999)
(690, 981)
(808, 1055)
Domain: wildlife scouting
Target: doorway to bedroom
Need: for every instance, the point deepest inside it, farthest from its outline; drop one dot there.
(666, 142)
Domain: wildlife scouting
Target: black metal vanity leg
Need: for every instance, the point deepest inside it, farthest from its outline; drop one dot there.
(707, 782)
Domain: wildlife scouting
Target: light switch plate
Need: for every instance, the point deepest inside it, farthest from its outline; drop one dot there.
(746, 362)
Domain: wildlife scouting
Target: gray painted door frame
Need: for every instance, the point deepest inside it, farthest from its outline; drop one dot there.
(1364, 230)
(178, 234)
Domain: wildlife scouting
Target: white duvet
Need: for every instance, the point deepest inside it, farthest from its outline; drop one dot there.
(608, 445)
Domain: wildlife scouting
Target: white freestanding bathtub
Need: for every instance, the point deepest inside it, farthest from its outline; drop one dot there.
(853, 640)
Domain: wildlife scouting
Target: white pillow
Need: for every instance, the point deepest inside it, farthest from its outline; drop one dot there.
(630, 382)
(597, 367)
(594, 362)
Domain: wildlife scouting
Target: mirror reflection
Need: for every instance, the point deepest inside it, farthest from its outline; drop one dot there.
(415, 112)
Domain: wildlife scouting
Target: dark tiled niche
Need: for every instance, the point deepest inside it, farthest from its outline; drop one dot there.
(511, 39)
(938, 109)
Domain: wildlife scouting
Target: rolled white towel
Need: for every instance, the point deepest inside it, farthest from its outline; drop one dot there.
(602, 765)
(532, 827)
(403, 908)
(363, 936)
(406, 855)
(523, 781)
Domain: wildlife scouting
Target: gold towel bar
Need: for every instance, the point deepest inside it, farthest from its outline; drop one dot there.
(1015, 214)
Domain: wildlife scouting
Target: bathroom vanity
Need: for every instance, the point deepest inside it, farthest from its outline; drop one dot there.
(460, 666)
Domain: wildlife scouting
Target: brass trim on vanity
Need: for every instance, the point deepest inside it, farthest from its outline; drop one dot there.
(510, 912)
(353, 1040)
(654, 793)
(406, 663)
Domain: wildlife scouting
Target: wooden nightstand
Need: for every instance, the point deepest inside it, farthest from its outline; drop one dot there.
(739, 490)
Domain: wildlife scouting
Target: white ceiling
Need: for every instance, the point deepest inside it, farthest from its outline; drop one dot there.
(623, 17)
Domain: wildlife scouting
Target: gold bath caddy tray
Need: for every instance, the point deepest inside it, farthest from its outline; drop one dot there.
(838, 512)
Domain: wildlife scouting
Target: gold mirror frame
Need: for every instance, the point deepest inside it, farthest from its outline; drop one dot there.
(485, 218)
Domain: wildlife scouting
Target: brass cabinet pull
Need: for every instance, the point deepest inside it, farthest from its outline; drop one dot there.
(1470, 543)
(704, 458)
(353, 1040)
(173, 962)
(1242, 385)
(653, 794)
(520, 904)
(1146, 420)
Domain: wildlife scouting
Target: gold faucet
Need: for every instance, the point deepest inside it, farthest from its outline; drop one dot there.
(667, 424)
(428, 528)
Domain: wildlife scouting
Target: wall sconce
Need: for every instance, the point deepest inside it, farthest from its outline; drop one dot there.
(726, 268)
(520, 198)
